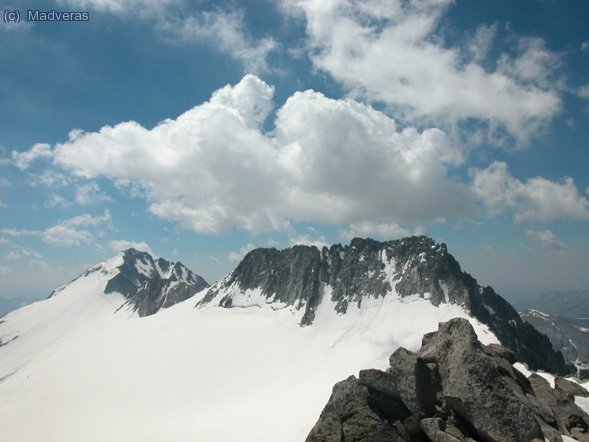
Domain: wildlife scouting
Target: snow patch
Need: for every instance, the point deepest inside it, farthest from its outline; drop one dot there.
(444, 288)
(178, 374)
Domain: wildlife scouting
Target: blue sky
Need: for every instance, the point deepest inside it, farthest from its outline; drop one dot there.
(200, 130)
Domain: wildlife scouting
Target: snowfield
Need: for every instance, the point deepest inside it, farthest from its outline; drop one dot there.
(78, 371)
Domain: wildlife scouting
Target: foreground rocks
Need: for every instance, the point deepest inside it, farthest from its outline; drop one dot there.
(453, 389)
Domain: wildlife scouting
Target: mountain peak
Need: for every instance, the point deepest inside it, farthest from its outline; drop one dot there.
(148, 284)
(303, 278)
(151, 284)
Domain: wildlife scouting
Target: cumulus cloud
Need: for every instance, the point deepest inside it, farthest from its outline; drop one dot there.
(69, 232)
(328, 161)
(238, 255)
(39, 151)
(384, 231)
(121, 244)
(393, 52)
(536, 199)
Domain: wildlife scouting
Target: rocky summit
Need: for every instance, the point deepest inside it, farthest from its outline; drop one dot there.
(453, 389)
(148, 284)
(298, 277)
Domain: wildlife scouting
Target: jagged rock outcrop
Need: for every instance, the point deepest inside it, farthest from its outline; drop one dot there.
(366, 268)
(453, 389)
(152, 284)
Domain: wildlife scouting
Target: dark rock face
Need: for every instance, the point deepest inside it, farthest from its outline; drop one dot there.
(368, 268)
(452, 389)
(150, 285)
(568, 335)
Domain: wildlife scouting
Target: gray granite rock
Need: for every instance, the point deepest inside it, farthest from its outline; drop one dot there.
(372, 269)
(454, 389)
(150, 285)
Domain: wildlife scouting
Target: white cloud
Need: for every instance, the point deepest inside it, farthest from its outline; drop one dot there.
(480, 44)
(19, 252)
(56, 201)
(227, 31)
(544, 236)
(119, 245)
(536, 199)
(90, 193)
(585, 46)
(5, 270)
(534, 64)
(308, 240)
(41, 266)
(327, 161)
(237, 256)
(547, 239)
(50, 177)
(384, 231)
(68, 232)
(583, 92)
(4, 241)
(3, 205)
(394, 53)
(23, 160)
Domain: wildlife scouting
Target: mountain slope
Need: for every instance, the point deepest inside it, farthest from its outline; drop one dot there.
(80, 371)
(8, 305)
(569, 336)
(131, 281)
(368, 269)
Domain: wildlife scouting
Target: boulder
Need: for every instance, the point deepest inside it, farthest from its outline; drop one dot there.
(454, 389)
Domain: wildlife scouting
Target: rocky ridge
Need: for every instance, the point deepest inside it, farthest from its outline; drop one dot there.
(453, 389)
(148, 284)
(297, 277)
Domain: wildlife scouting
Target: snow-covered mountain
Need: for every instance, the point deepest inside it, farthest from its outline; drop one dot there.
(303, 279)
(569, 336)
(252, 358)
(146, 283)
